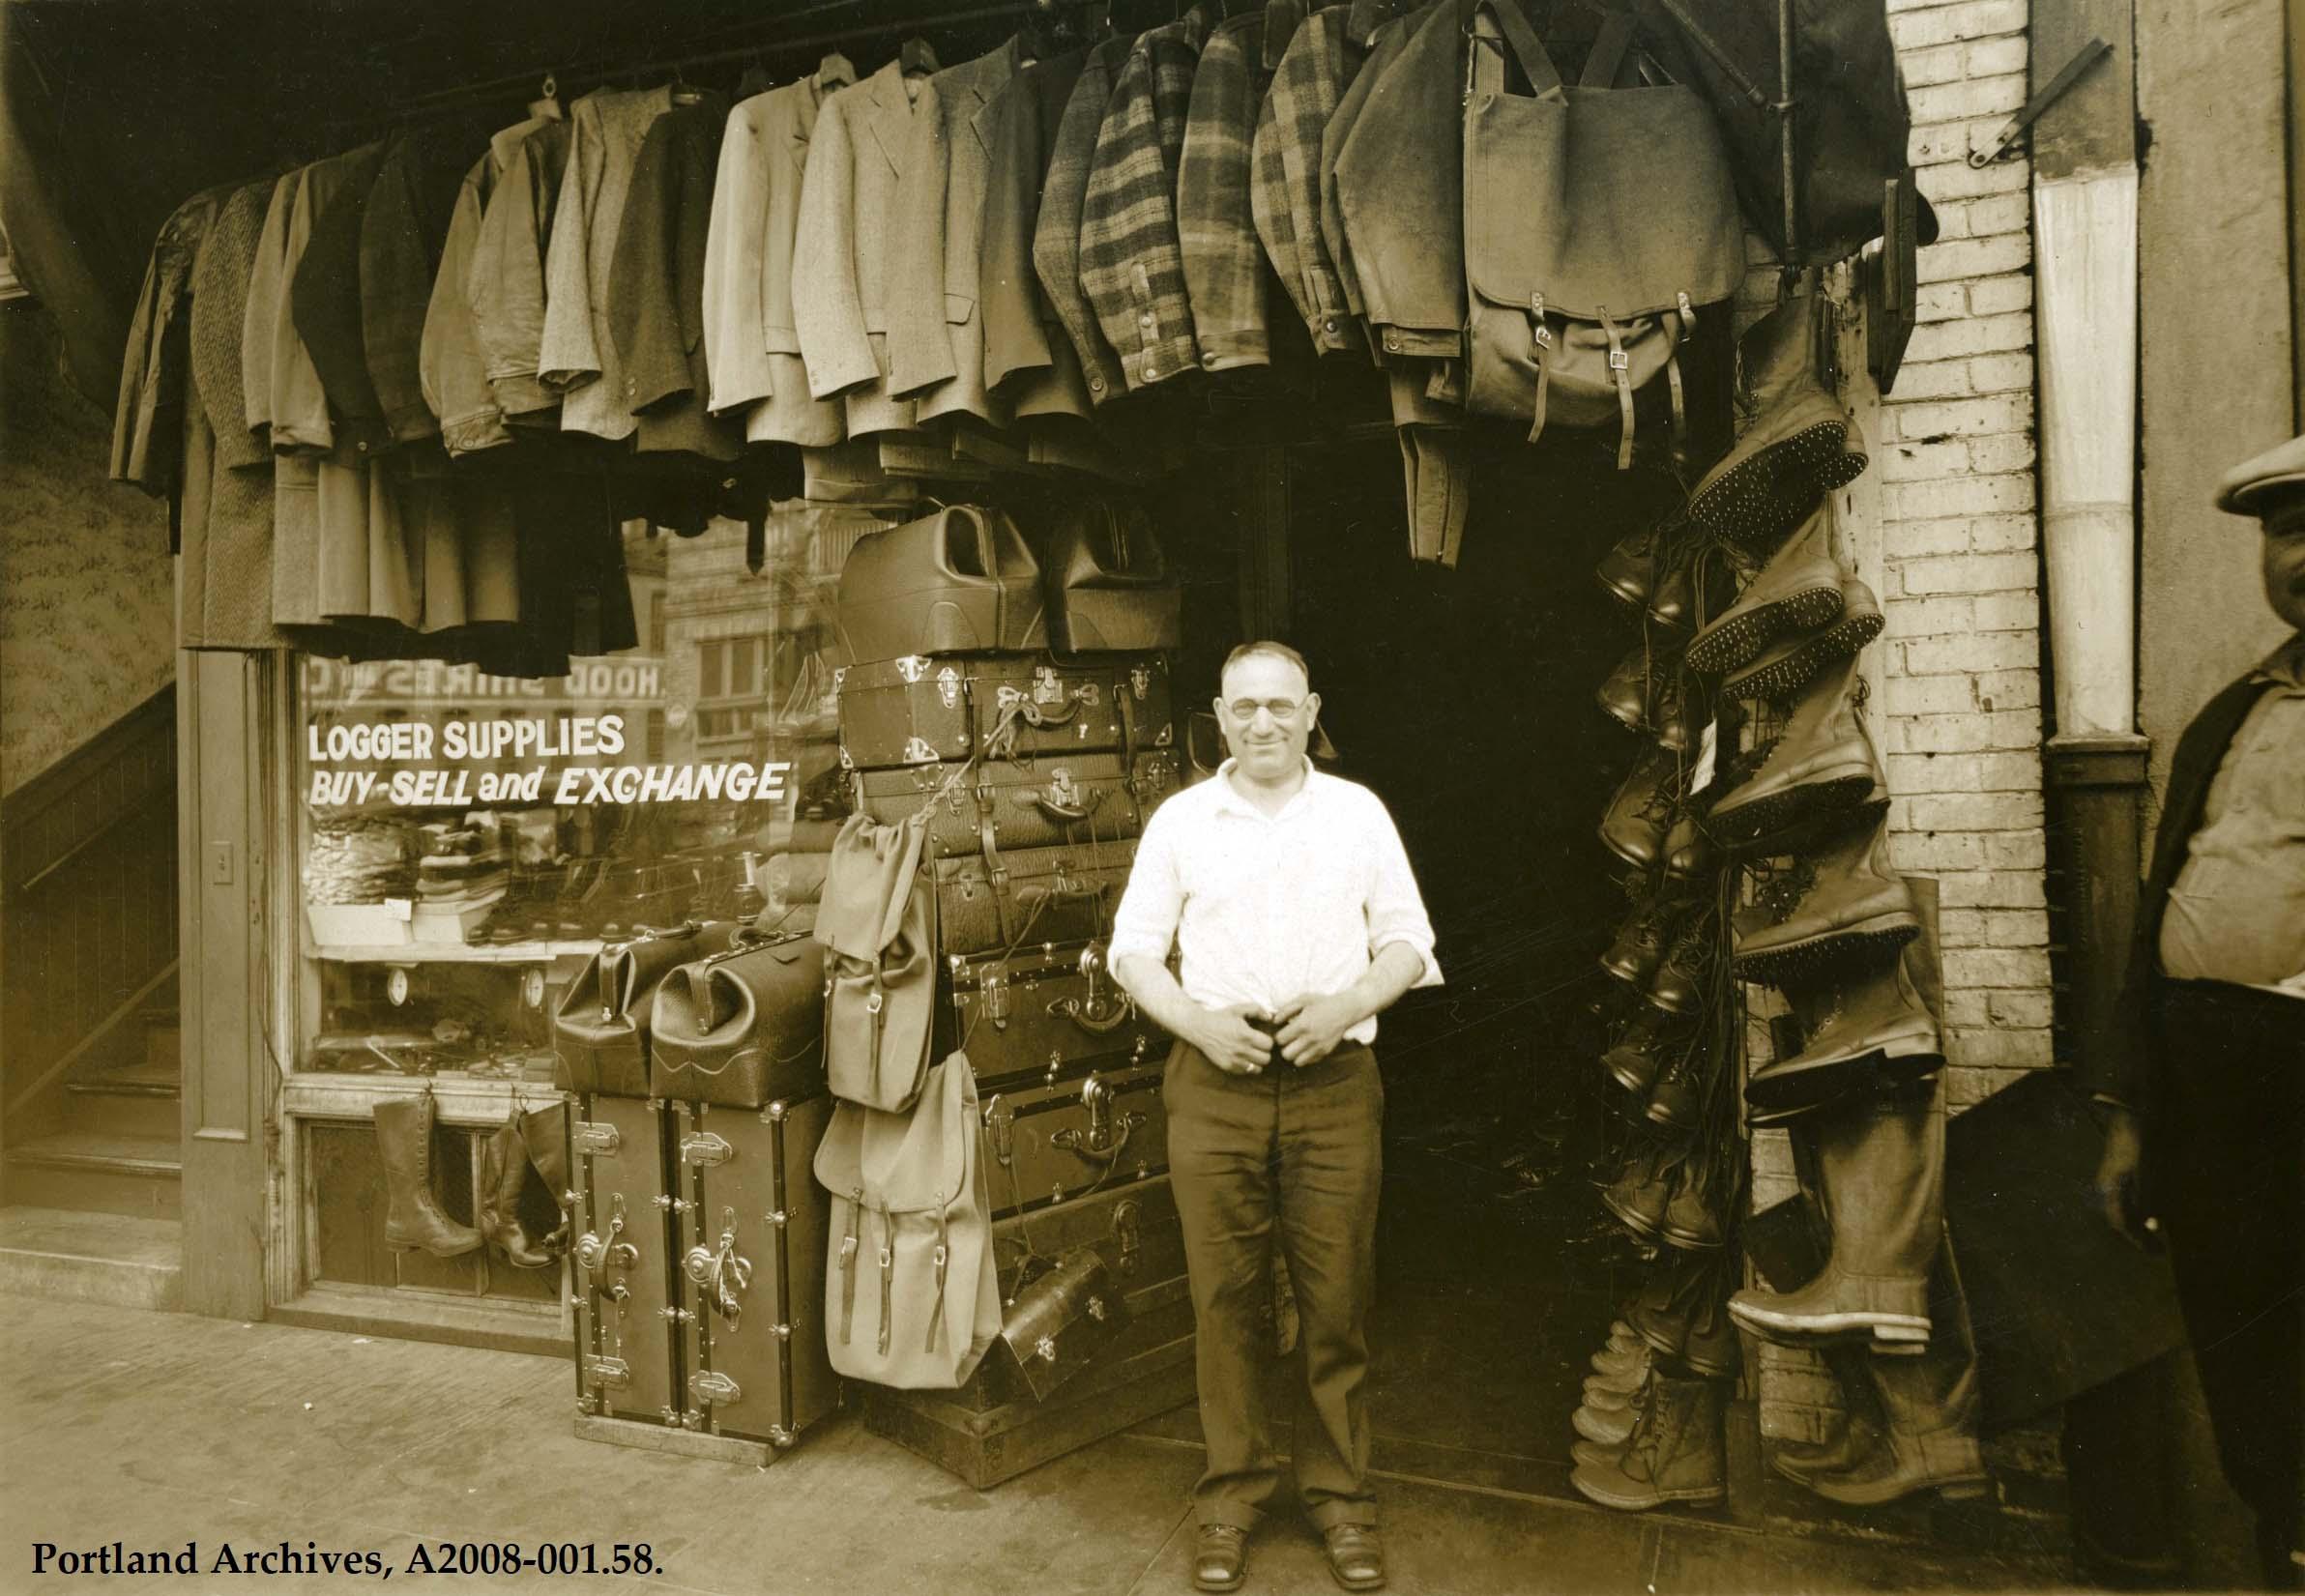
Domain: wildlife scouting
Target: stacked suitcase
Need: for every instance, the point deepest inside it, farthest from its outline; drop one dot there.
(700, 1238)
(1038, 770)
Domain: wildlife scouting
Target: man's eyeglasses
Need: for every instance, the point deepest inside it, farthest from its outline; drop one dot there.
(1279, 708)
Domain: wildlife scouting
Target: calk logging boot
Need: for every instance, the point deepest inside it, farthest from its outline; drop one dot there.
(412, 1215)
(1823, 762)
(1787, 665)
(1796, 593)
(1800, 445)
(1677, 1454)
(1861, 1027)
(1881, 1166)
(1847, 903)
(1642, 812)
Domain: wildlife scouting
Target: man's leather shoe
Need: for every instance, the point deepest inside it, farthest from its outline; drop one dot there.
(1355, 1557)
(1220, 1559)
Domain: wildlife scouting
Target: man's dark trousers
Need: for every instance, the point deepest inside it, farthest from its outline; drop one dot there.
(2228, 1177)
(1299, 1150)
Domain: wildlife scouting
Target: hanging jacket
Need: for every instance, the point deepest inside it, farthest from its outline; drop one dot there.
(1223, 259)
(504, 280)
(147, 422)
(326, 295)
(842, 258)
(751, 347)
(1131, 267)
(452, 368)
(257, 324)
(1400, 189)
(1285, 162)
(400, 241)
(655, 285)
(300, 410)
(936, 334)
(576, 354)
(1029, 360)
(1383, 44)
(1057, 231)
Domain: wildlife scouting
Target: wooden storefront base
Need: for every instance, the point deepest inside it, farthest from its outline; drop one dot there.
(676, 1442)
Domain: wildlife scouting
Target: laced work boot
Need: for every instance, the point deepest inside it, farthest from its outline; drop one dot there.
(1696, 1218)
(1641, 1054)
(1801, 446)
(1620, 1370)
(1678, 984)
(1644, 694)
(1675, 1099)
(1823, 763)
(1689, 851)
(1796, 593)
(1867, 1026)
(1675, 1454)
(1674, 599)
(1713, 1348)
(1641, 940)
(1788, 664)
(1628, 571)
(1850, 903)
(1635, 827)
(1639, 1196)
(413, 1217)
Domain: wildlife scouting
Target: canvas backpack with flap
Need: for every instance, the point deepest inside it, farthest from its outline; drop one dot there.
(912, 1292)
(1600, 226)
(878, 924)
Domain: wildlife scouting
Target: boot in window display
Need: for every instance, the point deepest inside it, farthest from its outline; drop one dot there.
(413, 1217)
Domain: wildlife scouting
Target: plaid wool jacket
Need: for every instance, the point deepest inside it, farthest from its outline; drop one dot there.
(1131, 265)
(1224, 262)
(1285, 160)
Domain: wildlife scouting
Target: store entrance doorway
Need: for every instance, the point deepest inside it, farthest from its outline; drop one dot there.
(1466, 700)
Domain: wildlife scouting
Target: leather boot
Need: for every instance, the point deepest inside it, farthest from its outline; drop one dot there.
(1641, 813)
(504, 1175)
(1881, 1172)
(1801, 446)
(1854, 905)
(1644, 692)
(1796, 593)
(1689, 851)
(1713, 1350)
(1678, 984)
(1849, 1442)
(1823, 762)
(1639, 1196)
(1643, 1052)
(1676, 1454)
(1642, 940)
(1872, 1027)
(1677, 1097)
(1620, 1370)
(1930, 1406)
(544, 1132)
(1787, 665)
(1673, 601)
(1628, 571)
(1611, 1425)
(412, 1216)
(1696, 1217)
(1606, 1393)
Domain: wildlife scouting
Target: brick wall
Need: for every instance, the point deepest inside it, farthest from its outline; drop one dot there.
(1944, 527)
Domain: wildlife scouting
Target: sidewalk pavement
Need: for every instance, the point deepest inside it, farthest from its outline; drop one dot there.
(156, 1429)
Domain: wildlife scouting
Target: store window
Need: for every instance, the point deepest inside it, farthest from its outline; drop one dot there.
(468, 841)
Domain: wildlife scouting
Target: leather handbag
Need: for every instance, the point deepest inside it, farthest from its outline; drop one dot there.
(1600, 226)
(912, 1294)
(877, 920)
(1109, 585)
(743, 1028)
(600, 1032)
(958, 581)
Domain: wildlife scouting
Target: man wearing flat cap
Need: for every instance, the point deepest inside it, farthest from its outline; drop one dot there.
(2206, 1115)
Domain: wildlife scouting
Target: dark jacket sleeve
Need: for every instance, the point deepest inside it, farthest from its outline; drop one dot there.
(643, 290)
(325, 303)
(400, 242)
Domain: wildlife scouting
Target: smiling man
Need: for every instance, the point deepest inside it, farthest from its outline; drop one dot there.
(1287, 895)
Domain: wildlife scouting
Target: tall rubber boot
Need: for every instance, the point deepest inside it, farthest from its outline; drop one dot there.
(544, 1132)
(1855, 1431)
(412, 1217)
(1881, 1164)
(1675, 1454)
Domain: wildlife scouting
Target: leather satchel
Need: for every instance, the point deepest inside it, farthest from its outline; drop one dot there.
(912, 1296)
(958, 581)
(1110, 587)
(1060, 1317)
(1600, 224)
(601, 1034)
(743, 1028)
(877, 921)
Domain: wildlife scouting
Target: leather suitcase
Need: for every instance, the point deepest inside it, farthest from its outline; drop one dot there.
(922, 711)
(1034, 804)
(601, 1034)
(961, 580)
(745, 1026)
(1030, 897)
(1090, 1126)
(752, 1256)
(627, 1362)
(992, 1428)
(1109, 585)
(1028, 1015)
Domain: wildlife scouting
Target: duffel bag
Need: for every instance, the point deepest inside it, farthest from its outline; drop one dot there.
(1600, 224)
(600, 1032)
(1025, 803)
(911, 1295)
(745, 1028)
(1109, 585)
(960, 580)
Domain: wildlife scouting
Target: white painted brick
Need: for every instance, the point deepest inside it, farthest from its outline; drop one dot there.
(2018, 689)
(1937, 64)
(1968, 97)
(1947, 734)
(1984, 652)
(1927, 850)
(2020, 1010)
(2017, 928)
(1991, 57)
(1975, 811)
(1918, 539)
(1951, 180)
(2003, 452)
(1992, 296)
(1959, 928)
(2017, 967)
(1903, 462)
(1935, 380)
(2001, 1049)
(2008, 612)
(1925, 695)
(1974, 258)
(1948, 143)
(2002, 533)
(1987, 573)
(1928, 617)
(1993, 373)
(1941, 302)
(1999, 214)
(1918, 773)
(1970, 1008)
(2016, 850)
(2012, 772)
(1952, 219)
(2013, 729)
(1965, 417)
(1972, 335)
(1917, 24)
(1991, 888)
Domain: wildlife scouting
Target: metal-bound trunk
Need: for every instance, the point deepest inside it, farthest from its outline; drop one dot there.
(1068, 799)
(993, 1429)
(1032, 896)
(1029, 1014)
(627, 1360)
(1086, 1125)
(753, 1231)
(924, 711)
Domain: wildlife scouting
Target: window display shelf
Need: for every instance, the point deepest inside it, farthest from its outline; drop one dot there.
(461, 1099)
(543, 952)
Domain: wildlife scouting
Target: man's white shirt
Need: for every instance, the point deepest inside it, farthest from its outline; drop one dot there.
(1267, 909)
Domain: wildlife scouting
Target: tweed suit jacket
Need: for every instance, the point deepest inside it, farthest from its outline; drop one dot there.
(1029, 360)
(752, 346)
(655, 285)
(401, 238)
(576, 353)
(1224, 261)
(936, 331)
(843, 256)
(1131, 265)
(503, 278)
(1057, 231)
